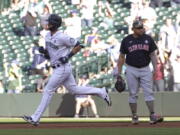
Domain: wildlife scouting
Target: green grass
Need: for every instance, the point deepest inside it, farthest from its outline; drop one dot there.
(119, 119)
(93, 131)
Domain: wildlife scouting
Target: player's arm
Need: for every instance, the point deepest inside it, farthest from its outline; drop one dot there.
(76, 49)
(121, 62)
(153, 54)
(153, 57)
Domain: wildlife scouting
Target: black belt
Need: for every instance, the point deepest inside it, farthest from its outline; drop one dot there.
(138, 66)
(55, 66)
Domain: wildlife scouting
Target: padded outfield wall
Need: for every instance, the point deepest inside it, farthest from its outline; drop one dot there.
(16, 105)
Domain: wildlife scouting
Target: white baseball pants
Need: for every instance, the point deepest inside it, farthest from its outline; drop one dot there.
(63, 76)
(139, 77)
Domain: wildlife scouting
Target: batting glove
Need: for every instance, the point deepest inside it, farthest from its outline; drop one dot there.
(64, 60)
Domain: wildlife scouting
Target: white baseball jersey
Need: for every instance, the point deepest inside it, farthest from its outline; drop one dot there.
(58, 45)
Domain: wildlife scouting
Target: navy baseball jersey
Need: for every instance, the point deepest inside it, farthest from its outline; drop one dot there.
(137, 50)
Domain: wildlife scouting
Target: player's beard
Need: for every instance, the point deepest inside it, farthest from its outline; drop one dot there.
(139, 34)
(52, 28)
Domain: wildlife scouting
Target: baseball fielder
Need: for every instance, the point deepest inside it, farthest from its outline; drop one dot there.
(58, 50)
(139, 50)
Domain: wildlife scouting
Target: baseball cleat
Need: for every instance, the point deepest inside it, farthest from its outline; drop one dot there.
(76, 116)
(135, 120)
(155, 119)
(30, 120)
(107, 98)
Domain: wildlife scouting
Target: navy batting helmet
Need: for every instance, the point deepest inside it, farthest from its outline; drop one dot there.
(54, 22)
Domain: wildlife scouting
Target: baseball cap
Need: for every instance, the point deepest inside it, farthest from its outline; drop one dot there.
(137, 24)
(74, 11)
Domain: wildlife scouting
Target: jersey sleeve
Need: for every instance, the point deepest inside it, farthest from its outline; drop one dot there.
(122, 47)
(153, 46)
(69, 41)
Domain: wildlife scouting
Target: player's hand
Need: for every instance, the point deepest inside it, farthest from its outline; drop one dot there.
(64, 60)
(41, 50)
(115, 72)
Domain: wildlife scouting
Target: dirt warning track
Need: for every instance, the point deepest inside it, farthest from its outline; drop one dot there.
(89, 125)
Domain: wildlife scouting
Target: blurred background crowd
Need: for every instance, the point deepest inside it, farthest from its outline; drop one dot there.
(100, 25)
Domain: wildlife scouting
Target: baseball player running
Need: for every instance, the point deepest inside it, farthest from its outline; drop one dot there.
(139, 50)
(58, 50)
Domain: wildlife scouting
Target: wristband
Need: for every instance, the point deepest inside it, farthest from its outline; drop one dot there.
(70, 54)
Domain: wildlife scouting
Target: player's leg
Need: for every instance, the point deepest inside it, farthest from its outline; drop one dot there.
(146, 82)
(54, 82)
(133, 86)
(72, 86)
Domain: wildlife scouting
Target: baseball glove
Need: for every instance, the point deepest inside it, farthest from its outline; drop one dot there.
(120, 84)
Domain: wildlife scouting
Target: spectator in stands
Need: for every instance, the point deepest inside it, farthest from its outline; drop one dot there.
(159, 84)
(104, 5)
(74, 2)
(34, 7)
(85, 101)
(2, 89)
(168, 35)
(83, 81)
(113, 50)
(134, 13)
(15, 78)
(107, 14)
(87, 11)
(98, 46)
(37, 5)
(30, 24)
(90, 37)
(73, 25)
(177, 27)
(175, 3)
(47, 10)
(156, 3)
(168, 70)
(17, 5)
(6, 67)
(176, 69)
(25, 8)
(149, 14)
